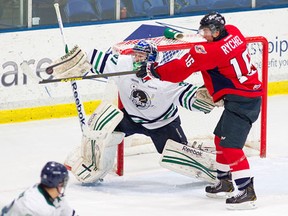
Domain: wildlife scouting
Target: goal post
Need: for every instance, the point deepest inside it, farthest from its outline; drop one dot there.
(258, 49)
(264, 69)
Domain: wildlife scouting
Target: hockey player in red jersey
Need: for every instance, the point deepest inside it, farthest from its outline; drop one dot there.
(225, 65)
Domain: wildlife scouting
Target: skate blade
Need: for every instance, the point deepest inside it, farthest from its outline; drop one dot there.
(220, 195)
(242, 206)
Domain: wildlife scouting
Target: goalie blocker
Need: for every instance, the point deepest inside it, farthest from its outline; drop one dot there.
(74, 63)
(93, 160)
(197, 162)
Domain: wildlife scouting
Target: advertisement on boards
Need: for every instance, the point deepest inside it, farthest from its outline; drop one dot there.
(40, 47)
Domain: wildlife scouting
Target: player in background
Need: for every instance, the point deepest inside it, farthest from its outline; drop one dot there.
(45, 198)
(225, 65)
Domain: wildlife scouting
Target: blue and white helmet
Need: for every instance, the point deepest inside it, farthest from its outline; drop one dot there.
(147, 47)
(53, 174)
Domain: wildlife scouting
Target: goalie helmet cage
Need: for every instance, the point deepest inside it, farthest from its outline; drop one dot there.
(257, 45)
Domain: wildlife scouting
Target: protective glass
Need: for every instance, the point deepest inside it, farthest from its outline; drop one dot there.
(205, 32)
(62, 187)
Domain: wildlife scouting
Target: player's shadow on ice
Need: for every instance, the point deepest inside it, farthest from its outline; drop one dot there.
(141, 186)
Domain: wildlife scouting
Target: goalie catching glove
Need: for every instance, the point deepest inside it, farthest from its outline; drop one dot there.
(74, 63)
(204, 101)
(93, 160)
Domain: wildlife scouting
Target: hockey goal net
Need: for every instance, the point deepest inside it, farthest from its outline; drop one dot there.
(198, 126)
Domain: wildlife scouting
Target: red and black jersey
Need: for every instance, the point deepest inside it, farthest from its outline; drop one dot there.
(224, 64)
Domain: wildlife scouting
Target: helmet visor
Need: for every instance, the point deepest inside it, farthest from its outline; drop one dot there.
(205, 31)
(62, 187)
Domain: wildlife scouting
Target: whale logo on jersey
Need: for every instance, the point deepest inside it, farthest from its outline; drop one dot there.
(140, 98)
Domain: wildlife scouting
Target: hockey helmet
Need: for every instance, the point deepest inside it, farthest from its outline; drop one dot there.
(53, 174)
(147, 47)
(214, 21)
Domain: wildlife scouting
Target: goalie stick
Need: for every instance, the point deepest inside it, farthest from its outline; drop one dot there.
(87, 77)
(79, 104)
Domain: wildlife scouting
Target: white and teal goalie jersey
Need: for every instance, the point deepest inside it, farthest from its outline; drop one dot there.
(152, 103)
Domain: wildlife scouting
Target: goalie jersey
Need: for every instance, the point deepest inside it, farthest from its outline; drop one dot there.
(152, 103)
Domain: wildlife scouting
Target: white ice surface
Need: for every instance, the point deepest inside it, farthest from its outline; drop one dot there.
(146, 188)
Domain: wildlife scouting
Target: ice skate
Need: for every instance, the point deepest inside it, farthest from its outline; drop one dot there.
(221, 189)
(245, 199)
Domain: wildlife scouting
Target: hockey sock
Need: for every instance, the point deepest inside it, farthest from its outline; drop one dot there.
(239, 166)
(222, 167)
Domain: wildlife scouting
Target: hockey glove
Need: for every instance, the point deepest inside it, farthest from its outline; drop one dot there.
(203, 100)
(74, 63)
(147, 71)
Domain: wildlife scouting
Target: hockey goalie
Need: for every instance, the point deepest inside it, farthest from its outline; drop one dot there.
(150, 107)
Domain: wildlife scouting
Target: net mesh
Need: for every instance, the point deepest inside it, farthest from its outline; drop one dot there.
(163, 43)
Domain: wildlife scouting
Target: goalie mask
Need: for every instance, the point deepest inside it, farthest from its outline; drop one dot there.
(145, 51)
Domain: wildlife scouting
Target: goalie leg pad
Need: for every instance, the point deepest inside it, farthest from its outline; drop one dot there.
(189, 161)
(87, 171)
(108, 151)
(105, 119)
(99, 128)
(83, 170)
(99, 144)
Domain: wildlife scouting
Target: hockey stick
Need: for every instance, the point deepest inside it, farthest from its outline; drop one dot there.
(79, 105)
(87, 77)
(175, 26)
